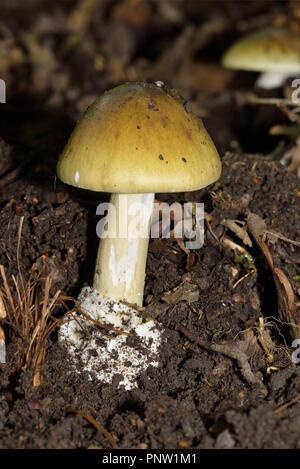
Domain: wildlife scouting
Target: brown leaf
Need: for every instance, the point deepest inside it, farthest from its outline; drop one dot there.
(286, 298)
(185, 292)
(237, 230)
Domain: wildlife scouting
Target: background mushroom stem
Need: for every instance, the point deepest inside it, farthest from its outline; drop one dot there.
(122, 254)
(270, 80)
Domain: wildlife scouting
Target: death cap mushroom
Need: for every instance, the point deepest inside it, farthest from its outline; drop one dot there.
(139, 138)
(273, 51)
(266, 50)
(135, 140)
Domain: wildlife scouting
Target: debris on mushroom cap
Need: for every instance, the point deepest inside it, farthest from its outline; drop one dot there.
(116, 145)
(266, 50)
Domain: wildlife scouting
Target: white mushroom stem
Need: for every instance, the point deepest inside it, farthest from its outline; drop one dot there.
(269, 80)
(119, 275)
(122, 254)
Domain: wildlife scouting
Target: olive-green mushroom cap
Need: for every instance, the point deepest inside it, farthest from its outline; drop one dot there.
(266, 50)
(139, 138)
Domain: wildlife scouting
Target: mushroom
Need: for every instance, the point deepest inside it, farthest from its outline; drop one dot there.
(273, 51)
(135, 140)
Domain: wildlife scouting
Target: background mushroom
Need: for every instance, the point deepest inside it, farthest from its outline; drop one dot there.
(135, 140)
(273, 51)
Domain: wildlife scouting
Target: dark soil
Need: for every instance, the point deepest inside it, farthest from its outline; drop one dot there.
(216, 304)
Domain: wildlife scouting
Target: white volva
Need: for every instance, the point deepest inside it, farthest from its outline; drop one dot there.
(110, 355)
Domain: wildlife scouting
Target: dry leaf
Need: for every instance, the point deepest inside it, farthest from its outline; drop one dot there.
(238, 230)
(286, 298)
(185, 292)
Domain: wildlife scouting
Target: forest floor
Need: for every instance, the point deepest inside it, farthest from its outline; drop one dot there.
(230, 310)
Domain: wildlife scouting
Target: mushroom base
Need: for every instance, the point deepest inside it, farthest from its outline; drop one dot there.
(107, 355)
(270, 80)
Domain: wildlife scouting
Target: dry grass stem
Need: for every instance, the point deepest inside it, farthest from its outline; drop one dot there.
(29, 315)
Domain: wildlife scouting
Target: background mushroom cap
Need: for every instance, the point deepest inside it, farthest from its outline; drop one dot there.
(266, 50)
(139, 138)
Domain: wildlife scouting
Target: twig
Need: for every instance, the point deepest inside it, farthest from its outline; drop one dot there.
(288, 404)
(11, 176)
(96, 424)
(273, 101)
(283, 238)
(206, 218)
(240, 280)
(78, 309)
(104, 326)
(231, 351)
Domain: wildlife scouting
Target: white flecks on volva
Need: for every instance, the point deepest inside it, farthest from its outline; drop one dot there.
(111, 355)
(77, 176)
